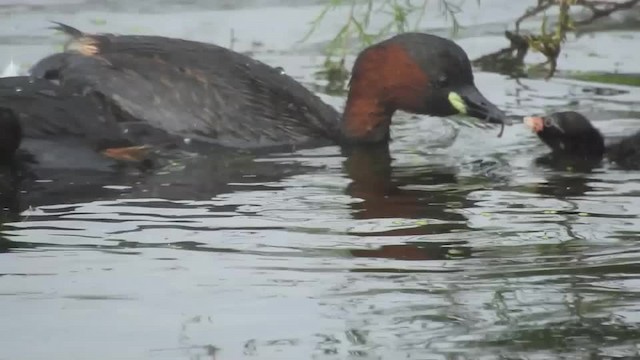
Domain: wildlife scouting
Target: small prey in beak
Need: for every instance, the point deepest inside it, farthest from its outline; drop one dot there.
(469, 101)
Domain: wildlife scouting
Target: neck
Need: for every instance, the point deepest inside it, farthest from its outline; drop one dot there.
(365, 120)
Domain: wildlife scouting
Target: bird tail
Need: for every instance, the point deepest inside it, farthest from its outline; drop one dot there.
(67, 30)
(86, 44)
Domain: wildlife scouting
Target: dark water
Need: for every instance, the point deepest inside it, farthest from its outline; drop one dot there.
(457, 246)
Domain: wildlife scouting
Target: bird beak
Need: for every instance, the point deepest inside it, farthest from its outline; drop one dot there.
(534, 123)
(469, 101)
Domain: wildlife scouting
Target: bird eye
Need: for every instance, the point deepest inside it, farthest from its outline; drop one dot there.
(548, 122)
(442, 81)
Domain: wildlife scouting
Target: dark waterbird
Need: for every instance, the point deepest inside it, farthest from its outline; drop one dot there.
(570, 135)
(124, 97)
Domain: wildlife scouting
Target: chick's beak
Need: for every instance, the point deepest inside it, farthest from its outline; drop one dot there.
(539, 123)
(534, 123)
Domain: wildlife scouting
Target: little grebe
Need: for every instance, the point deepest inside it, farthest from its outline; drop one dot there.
(569, 133)
(179, 89)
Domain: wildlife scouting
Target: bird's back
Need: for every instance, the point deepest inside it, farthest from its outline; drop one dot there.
(626, 153)
(194, 90)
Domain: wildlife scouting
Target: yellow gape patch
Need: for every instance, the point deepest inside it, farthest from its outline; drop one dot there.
(457, 103)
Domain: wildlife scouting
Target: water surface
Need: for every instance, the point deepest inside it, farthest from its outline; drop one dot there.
(456, 245)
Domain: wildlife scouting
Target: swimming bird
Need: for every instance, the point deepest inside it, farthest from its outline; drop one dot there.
(123, 93)
(571, 134)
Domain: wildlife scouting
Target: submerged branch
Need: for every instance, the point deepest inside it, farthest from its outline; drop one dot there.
(511, 59)
(547, 41)
(597, 13)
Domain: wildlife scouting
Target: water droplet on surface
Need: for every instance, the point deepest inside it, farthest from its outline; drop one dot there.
(280, 69)
(187, 141)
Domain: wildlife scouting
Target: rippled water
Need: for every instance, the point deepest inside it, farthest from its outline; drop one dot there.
(458, 245)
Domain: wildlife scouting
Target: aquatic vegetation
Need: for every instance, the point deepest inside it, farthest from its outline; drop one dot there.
(607, 78)
(357, 30)
(548, 41)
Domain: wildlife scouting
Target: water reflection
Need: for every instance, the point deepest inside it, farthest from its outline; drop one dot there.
(384, 194)
(195, 178)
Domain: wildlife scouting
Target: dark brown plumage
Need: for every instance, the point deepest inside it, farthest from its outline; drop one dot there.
(123, 91)
(571, 134)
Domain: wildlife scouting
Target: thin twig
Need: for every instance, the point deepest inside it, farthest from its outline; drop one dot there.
(542, 6)
(597, 13)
